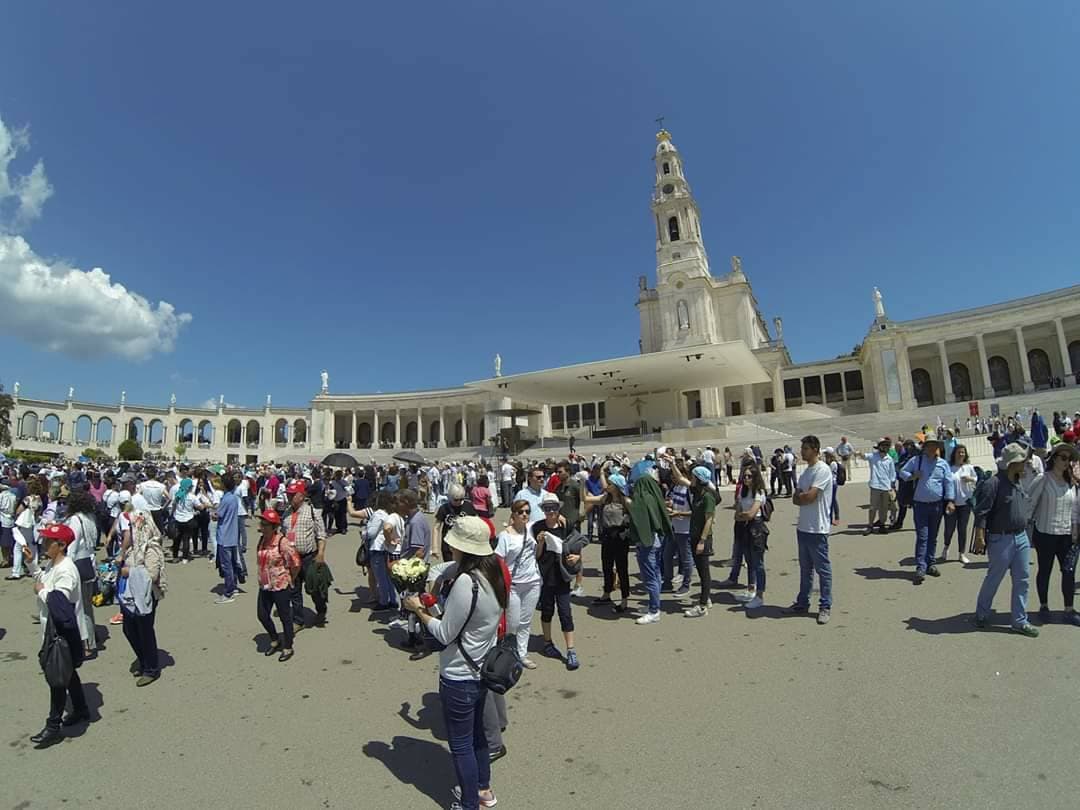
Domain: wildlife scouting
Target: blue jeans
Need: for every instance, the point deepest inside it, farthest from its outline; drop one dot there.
(649, 563)
(679, 545)
(927, 522)
(814, 556)
(386, 593)
(1007, 552)
(755, 563)
(463, 710)
(228, 560)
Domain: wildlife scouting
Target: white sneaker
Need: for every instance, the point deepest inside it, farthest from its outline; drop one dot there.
(649, 618)
(695, 612)
(398, 623)
(964, 559)
(755, 603)
(579, 591)
(746, 596)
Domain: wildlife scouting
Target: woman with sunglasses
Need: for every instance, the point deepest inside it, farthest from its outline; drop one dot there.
(750, 536)
(517, 547)
(555, 580)
(614, 525)
(278, 565)
(1053, 500)
(965, 480)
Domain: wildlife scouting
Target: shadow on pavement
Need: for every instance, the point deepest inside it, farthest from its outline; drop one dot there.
(877, 572)
(94, 702)
(960, 623)
(421, 763)
(429, 717)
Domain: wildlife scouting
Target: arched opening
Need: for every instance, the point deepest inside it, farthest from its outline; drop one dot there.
(28, 426)
(1039, 365)
(233, 431)
(253, 433)
(433, 434)
(1000, 378)
(299, 431)
(156, 433)
(386, 434)
(206, 433)
(104, 432)
(1074, 356)
(410, 434)
(281, 432)
(186, 432)
(961, 381)
(136, 430)
(363, 434)
(84, 429)
(667, 168)
(673, 229)
(50, 428)
(922, 386)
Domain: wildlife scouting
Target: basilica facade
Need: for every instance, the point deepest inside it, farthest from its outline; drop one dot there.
(706, 356)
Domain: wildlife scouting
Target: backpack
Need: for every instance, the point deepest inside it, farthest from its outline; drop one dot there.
(841, 475)
(767, 508)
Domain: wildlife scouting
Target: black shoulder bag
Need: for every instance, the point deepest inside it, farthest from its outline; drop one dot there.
(501, 668)
(55, 657)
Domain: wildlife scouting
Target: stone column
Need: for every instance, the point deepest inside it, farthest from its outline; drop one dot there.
(378, 431)
(1029, 386)
(988, 389)
(1063, 347)
(464, 426)
(944, 355)
(420, 437)
(903, 367)
(397, 428)
(779, 403)
(442, 426)
(352, 436)
(748, 399)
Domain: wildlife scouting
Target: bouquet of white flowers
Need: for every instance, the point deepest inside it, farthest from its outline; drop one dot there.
(409, 575)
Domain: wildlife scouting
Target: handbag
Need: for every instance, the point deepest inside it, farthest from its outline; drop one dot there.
(1071, 556)
(55, 658)
(501, 668)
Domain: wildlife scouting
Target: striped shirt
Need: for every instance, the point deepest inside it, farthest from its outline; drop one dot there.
(1053, 504)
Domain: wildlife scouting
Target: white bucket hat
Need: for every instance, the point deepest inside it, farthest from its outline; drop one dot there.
(471, 535)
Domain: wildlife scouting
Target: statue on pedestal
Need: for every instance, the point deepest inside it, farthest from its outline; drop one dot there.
(221, 401)
(498, 364)
(325, 381)
(778, 322)
(736, 266)
(879, 307)
(123, 398)
(267, 402)
(71, 392)
(15, 389)
(172, 400)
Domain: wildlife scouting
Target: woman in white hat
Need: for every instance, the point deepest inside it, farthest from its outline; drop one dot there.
(468, 629)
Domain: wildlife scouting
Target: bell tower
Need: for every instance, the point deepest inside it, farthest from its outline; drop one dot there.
(679, 247)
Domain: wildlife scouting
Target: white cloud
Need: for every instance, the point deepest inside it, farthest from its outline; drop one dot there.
(27, 192)
(79, 312)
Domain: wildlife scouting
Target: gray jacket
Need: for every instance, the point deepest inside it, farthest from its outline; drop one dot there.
(1000, 506)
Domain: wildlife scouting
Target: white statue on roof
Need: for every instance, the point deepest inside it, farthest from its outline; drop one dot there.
(879, 307)
(71, 392)
(123, 397)
(325, 381)
(498, 364)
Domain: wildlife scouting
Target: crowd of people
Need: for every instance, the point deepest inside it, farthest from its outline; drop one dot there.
(87, 534)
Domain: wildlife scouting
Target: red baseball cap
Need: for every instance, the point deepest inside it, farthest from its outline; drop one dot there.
(58, 531)
(270, 516)
(296, 486)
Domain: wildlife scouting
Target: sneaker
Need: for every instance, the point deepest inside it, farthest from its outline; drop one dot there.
(225, 598)
(746, 596)
(483, 802)
(649, 618)
(146, 680)
(579, 591)
(919, 577)
(796, 609)
(755, 603)
(965, 559)
(683, 591)
(933, 571)
(572, 662)
(185, 561)
(399, 622)
(528, 663)
(944, 555)
(823, 616)
(980, 621)
(1072, 617)
(117, 619)
(709, 603)
(1029, 630)
(697, 611)
(551, 651)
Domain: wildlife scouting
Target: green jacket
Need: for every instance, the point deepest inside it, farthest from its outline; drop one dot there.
(648, 512)
(317, 579)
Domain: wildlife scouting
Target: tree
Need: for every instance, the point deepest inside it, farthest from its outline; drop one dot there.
(129, 450)
(6, 404)
(180, 450)
(93, 453)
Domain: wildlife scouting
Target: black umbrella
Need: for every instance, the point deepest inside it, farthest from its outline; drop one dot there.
(340, 460)
(408, 457)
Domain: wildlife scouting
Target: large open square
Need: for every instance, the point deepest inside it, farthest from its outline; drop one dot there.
(899, 702)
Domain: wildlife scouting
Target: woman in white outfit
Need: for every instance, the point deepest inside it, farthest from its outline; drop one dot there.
(83, 523)
(517, 547)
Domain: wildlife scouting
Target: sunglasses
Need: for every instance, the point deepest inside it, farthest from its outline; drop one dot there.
(523, 511)
(550, 508)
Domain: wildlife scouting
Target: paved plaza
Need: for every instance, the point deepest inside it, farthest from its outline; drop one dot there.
(899, 702)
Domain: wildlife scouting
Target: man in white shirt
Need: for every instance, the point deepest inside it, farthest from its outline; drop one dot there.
(813, 496)
(156, 496)
(882, 485)
(845, 452)
(507, 476)
(787, 468)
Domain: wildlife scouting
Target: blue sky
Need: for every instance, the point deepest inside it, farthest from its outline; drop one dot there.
(396, 192)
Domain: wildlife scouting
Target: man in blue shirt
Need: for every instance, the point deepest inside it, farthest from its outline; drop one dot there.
(533, 492)
(935, 492)
(228, 540)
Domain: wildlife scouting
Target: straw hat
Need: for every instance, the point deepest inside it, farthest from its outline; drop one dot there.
(471, 535)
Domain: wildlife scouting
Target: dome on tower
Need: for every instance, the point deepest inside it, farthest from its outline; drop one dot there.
(663, 142)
